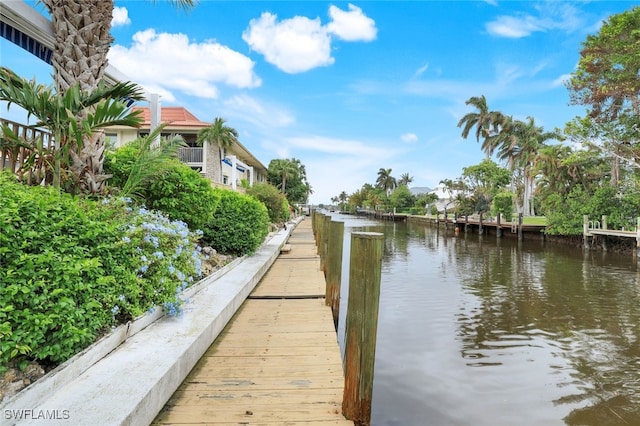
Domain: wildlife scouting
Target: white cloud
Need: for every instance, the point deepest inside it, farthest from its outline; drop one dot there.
(338, 146)
(300, 44)
(294, 45)
(513, 27)
(420, 70)
(170, 62)
(120, 17)
(409, 138)
(264, 116)
(352, 25)
(550, 16)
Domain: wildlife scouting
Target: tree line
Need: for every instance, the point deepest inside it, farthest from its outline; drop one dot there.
(591, 166)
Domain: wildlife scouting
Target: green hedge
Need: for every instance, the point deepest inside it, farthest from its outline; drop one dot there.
(239, 225)
(72, 268)
(275, 202)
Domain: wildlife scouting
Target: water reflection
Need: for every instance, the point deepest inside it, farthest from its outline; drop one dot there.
(478, 332)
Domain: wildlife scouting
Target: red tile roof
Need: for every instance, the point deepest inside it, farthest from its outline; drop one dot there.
(176, 116)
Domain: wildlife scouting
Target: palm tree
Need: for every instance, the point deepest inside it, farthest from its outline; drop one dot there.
(343, 197)
(82, 40)
(286, 169)
(220, 135)
(385, 181)
(71, 118)
(520, 143)
(486, 123)
(405, 179)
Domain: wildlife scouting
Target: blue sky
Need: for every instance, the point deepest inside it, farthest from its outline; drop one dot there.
(351, 87)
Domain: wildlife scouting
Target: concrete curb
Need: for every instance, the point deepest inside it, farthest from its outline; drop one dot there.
(132, 383)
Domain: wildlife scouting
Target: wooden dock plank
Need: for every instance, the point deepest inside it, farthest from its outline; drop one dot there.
(277, 362)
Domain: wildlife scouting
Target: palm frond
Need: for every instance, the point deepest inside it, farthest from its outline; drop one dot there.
(152, 161)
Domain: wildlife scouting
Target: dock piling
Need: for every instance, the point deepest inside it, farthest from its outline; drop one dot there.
(334, 269)
(362, 323)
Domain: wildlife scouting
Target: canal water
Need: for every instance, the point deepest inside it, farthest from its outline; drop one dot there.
(475, 331)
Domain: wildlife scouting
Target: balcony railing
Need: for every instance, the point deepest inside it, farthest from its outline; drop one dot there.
(191, 155)
(27, 156)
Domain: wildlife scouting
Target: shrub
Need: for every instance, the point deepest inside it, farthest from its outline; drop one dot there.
(71, 268)
(176, 189)
(274, 201)
(503, 203)
(183, 195)
(239, 224)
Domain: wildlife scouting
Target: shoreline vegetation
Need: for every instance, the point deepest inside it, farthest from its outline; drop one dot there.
(591, 167)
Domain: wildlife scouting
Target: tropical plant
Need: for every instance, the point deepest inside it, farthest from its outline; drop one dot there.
(220, 135)
(72, 118)
(81, 43)
(134, 165)
(385, 181)
(291, 177)
(343, 198)
(518, 144)
(405, 179)
(486, 123)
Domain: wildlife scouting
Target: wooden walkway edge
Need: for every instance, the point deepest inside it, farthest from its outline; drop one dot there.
(277, 362)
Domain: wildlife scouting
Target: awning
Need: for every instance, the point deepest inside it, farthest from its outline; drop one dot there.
(27, 43)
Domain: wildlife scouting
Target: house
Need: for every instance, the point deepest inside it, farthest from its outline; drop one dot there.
(446, 200)
(223, 169)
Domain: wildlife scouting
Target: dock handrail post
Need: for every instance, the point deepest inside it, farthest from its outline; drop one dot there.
(480, 224)
(498, 228)
(637, 236)
(365, 269)
(585, 231)
(466, 223)
(520, 216)
(446, 221)
(334, 269)
(604, 221)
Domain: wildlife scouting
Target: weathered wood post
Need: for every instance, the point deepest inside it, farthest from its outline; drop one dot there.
(334, 269)
(313, 222)
(326, 222)
(603, 238)
(498, 227)
(365, 270)
(318, 234)
(520, 227)
(446, 219)
(317, 217)
(466, 223)
(480, 224)
(637, 237)
(585, 231)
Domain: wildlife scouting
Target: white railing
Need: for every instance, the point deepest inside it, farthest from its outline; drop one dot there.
(191, 155)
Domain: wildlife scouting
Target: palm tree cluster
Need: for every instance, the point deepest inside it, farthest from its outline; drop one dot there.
(515, 142)
(290, 176)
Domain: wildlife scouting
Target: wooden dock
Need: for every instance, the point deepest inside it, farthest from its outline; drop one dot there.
(277, 362)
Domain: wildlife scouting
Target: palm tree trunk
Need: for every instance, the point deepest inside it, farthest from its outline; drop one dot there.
(83, 38)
